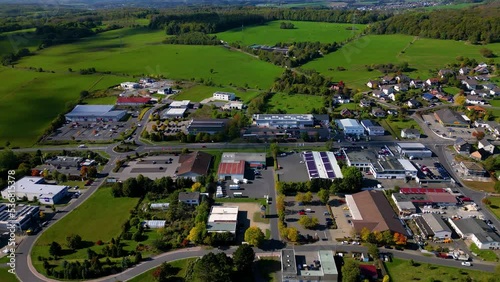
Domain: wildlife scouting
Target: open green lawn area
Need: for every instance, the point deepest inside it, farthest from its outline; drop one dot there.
(495, 206)
(5, 275)
(401, 271)
(108, 100)
(294, 104)
(495, 103)
(98, 218)
(80, 184)
(422, 55)
(487, 255)
(199, 92)
(395, 126)
(140, 52)
(11, 42)
(271, 33)
(40, 96)
(350, 106)
(180, 265)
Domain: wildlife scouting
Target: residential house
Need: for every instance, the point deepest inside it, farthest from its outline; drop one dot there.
(373, 84)
(482, 68)
(495, 91)
(464, 71)
(190, 198)
(378, 94)
(392, 96)
(471, 169)
(479, 155)
(489, 86)
(365, 103)
(485, 145)
(401, 87)
(392, 112)
(475, 100)
(429, 97)
(377, 112)
(446, 73)
(401, 78)
(481, 78)
(412, 103)
(432, 81)
(346, 113)
(476, 109)
(339, 99)
(484, 93)
(410, 133)
(416, 83)
(462, 146)
(387, 89)
(470, 84)
(389, 79)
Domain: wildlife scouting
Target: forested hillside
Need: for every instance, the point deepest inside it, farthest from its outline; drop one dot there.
(476, 24)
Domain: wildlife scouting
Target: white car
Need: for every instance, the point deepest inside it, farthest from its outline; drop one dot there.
(466, 263)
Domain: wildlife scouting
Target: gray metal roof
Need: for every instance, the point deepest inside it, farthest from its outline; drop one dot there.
(288, 263)
(435, 222)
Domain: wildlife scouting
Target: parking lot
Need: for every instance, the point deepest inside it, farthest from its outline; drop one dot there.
(342, 216)
(315, 209)
(293, 168)
(152, 167)
(169, 127)
(95, 131)
(257, 186)
(448, 132)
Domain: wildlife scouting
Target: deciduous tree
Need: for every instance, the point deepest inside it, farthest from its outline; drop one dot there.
(243, 258)
(254, 236)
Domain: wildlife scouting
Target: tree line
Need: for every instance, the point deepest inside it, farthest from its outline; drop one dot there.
(475, 24)
(294, 83)
(193, 38)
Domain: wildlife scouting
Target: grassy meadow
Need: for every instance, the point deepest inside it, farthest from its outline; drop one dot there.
(495, 206)
(294, 104)
(179, 265)
(199, 92)
(270, 33)
(31, 100)
(421, 54)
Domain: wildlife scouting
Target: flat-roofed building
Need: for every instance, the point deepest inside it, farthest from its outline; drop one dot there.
(210, 126)
(351, 126)
(289, 270)
(173, 113)
(225, 96)
(233, 105)
(283, 120)
(321, 268)
(432, 226)
(65, 161)
(132, 101)
(416, 150)
(35, 188)
(95, 113)
(257, 160)
(410, 133)
(477, 231)
(22, 218)
(223, 219)
(180, 104)
(471, 169)
(322, 165)
(440, 199)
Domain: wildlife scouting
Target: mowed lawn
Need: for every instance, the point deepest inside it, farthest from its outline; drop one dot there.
(199, 92)
(495, 206)
(179, 265)
(98, 218)
(5, 275)
(140, 52)
(401, 271)
(421, 54)
(294, 104)
(271, 33)
(31, 100)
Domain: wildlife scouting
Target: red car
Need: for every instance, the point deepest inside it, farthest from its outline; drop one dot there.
(302, 213)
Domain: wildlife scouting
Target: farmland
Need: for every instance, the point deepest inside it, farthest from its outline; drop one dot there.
(29, 94)
(294, 104)
(270, 33)
(421, 54)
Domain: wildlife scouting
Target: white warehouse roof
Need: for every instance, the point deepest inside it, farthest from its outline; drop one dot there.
(183, 103)
(35, 185)
(411, 146)
(223, 214)
(407, 165)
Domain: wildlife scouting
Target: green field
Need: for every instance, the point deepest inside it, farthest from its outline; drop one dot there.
(11, 42)
(5, 276)
(140, 52)
(422, 55)
(270, 33)
(401, 271)
(40, 96)
(109, 100)
(294, 104)
(98, 218)
(487, 255)
(495, 206)
(200, 92)
(395, 126)
(147, 276)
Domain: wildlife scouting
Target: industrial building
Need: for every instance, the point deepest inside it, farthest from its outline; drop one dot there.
(372, 210)
(382, 164)
(322, 165)
(295, 268)
(256, 160)
(231, 170)
(95, 113)
(430, 198)
(233, 105)
(373, 129)
(194, 164)
(173, 113)
(132, 101)
(225, 96)
(35, 188)
(210, 126)
(22, 219)
(477, 231)
(179, 104)
(283, 120)
(223, 219)
(432, 226)
(448, 117)
(351, 127)
(413, 150)
(65, 161)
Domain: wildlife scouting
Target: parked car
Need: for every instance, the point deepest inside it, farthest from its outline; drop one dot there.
(466, 263)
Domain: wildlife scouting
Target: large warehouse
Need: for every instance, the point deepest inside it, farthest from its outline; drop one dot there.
(283, 120)
(257, 160)
(22, 219)
(322, 165)
(351, 127)
(35, 187)
(231, 170)
(433, 226)
(95, 113)
(415, 150)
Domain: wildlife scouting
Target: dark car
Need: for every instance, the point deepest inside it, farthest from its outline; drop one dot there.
(388, 247)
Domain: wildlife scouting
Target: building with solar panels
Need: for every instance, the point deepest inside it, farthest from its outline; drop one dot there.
(322, 165)
(22, 219)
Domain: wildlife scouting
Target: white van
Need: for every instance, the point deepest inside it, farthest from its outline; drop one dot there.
(82, 146)
(234, 187)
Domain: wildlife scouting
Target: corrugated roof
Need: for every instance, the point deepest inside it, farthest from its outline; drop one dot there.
(435, 222)
(135, 100)
(196, 162)
(421, 190)
(232, 168)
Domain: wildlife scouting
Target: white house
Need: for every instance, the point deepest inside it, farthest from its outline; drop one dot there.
(485, 145)
(432, 81)
(233, 105)
(387, 89)
(401, 87)
(129, 85)
(412, 103)
(410, 133)
(378, 94)
(416, 84)
(475, 100)
(392, 96)
(372, 84)
(464, 71)
(225, 96)
(470, 84)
